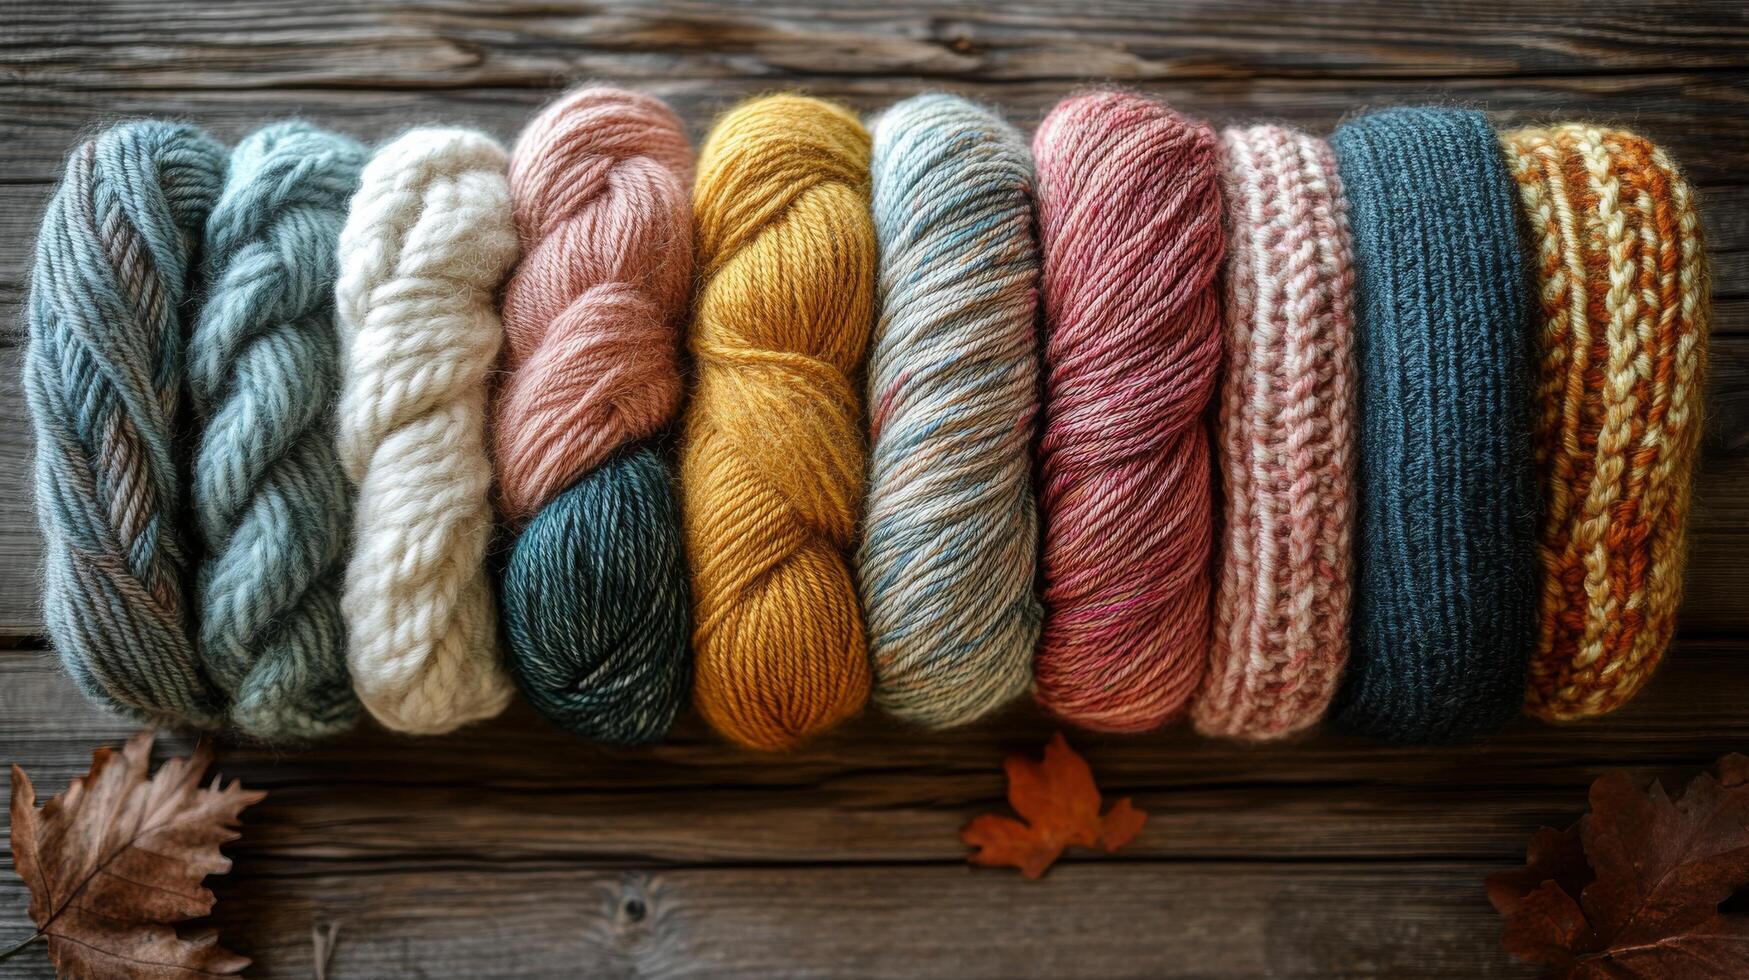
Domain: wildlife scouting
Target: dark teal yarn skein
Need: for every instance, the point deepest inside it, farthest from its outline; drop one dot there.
(586, 658)
(1446, 601)
(270, 498)
(103, 378)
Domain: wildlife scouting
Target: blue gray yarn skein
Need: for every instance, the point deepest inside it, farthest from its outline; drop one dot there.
(1446, 601)
(103, 379)
(271, 500)
(949, 556)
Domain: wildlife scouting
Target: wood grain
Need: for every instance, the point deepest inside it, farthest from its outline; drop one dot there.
(513, 850)
(515, 789)
(1146, 920)
(475, 43)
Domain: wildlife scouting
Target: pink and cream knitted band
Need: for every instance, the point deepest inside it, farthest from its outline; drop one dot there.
(1287, 439)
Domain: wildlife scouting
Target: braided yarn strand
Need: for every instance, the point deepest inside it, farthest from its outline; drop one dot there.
(1622, 335)
(1286, 438)
(271, 501)
(950, 545)
(1130, 225)
(427, 243)
(772, 466)
(1445, 608)
(103, 380)
(595, 598)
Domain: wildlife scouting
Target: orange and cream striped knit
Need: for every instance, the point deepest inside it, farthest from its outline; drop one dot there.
(1622, 337)
(772, 466)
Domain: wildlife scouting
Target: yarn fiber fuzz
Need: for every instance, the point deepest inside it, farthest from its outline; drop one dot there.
(427, 243)
(1129, 209)
(772, 466)
(1621, 355)
(1286, 434)
(950, 541)
(271, 501)
(103, 380)
(595, 600)
(1445, 608)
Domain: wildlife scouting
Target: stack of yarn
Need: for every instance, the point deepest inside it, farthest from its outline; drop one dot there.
(902, 406)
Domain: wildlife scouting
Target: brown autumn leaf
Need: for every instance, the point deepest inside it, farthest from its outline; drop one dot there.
(118, 858)
(1060, 805)
(1634, 888)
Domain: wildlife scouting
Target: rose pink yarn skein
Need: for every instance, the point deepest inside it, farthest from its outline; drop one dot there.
(590, 340)
(1287, 439)
(1129, 208)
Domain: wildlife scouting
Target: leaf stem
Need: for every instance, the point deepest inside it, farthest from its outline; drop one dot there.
(34, 939)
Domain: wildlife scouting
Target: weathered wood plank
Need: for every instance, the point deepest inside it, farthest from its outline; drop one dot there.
(1152, 920)
(1697, 116)
(162, 43)
(515, 790)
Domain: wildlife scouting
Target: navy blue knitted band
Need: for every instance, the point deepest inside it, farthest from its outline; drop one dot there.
(1445, 607)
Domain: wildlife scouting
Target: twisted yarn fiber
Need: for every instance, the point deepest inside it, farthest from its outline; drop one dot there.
(1130, 221)
(1286, 435)
(772, 468)
(103, 378)
(426, 245)
(1622, 350)
(1446, 546)
(263, 368)
(950, 546)
(594, 594)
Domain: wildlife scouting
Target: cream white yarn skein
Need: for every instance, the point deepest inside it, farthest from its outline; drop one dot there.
(427, 243)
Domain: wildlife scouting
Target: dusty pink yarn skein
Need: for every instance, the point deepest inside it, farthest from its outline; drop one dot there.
(590, 370)
(1130, 222)
(1287, 438)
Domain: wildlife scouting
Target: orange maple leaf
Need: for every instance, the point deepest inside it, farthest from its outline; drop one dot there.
(1060, 805)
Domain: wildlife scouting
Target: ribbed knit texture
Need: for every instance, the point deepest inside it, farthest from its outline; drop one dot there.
(103, 378)
(1130, 223)
(269, 496)
(950, 541)
(1446, 546)
(594, 595)
(427, 243)
(1286, 439)
(1622, 338)
(772, 468)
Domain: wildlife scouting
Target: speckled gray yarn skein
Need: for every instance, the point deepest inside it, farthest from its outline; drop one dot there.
(949, 556)
(103, 378)
(271, 501)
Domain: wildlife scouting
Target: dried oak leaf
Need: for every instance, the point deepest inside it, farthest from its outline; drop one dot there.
(1060, 804)
(1634, 888)
(116, 859)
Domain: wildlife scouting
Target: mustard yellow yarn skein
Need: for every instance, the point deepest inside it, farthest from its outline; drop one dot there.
(773, 458)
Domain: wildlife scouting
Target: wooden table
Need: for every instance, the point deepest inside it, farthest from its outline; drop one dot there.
(511, 850)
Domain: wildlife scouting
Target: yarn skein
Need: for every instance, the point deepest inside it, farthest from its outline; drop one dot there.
(1286, 438)
(950, 541)
(103, 380)
(1130, 223)
(1446, 545)
(1622, 333)
(270, 498)
(594, 595)
(427, 242)
(772, 467)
